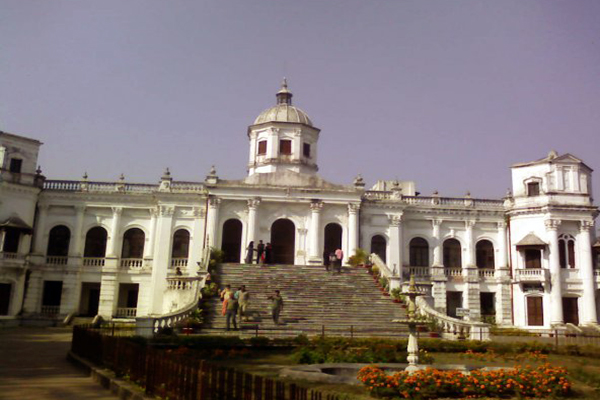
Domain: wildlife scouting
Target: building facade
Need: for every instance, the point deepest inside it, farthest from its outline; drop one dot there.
(108, 248)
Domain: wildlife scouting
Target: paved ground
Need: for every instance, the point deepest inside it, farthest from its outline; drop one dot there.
(33, 365)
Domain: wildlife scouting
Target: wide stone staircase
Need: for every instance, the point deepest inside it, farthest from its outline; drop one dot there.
(315, 302)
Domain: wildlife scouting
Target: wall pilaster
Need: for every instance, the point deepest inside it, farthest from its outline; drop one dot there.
(556, 309)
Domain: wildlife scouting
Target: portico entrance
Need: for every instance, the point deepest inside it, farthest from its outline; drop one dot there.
(231, 242)
(333, 238)
(283, 240)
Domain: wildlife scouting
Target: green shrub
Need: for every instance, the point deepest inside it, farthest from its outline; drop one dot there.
(360, 257)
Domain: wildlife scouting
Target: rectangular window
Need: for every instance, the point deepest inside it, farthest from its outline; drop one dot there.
(533, 189)
(535, 311)
(533, 258)
(262, 147)
(285, 147)
(15, 165)
(306, 150)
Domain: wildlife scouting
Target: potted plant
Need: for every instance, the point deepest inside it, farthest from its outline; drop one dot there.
(360, 257)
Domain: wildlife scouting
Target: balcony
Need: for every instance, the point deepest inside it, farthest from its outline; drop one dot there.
(57, 260)
(179, 262)
(93, 261)
(12, 259)
(453, 272)
(420, 273)
(132, 263)
(532, 275)
(486, 273)
(50, 310)
(126, 312)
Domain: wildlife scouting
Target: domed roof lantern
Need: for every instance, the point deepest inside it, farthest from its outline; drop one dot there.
(284, 96)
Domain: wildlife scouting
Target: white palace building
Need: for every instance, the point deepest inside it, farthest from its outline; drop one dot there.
(81, 247)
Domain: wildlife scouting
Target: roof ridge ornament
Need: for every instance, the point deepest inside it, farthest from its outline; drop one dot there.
(284, 96)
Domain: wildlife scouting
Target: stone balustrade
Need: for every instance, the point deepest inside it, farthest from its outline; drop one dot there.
(57, 260)
(179, 262)
(487, 273)
(532, 275)
(454, 327)
(93, 261)
(126, 312)
(132, 263)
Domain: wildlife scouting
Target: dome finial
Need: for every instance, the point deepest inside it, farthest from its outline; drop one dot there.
(284, 96)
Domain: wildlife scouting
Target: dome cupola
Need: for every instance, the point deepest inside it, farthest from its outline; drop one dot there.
(283, 111)
(283, 138)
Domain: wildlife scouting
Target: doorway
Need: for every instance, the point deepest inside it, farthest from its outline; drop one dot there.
(283, 240)
(488, 304)
(333, 238)
(90, 299)
(454, 300)
(570, 310)
(5, 289)
(535, 311)
(378, 246)
(231, 242)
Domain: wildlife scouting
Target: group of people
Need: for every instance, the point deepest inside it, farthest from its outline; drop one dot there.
(264, 253)
(236, 304)
(333, 259)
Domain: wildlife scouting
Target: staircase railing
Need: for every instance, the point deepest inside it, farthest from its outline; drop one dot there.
(147, 326)
(392, 276)
(456, 328)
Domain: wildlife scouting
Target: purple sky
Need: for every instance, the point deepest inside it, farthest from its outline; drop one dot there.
(446, 93)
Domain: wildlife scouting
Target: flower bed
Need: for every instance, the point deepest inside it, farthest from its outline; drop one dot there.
(542, 381)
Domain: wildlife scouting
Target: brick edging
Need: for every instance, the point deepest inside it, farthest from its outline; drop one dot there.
(121, 388)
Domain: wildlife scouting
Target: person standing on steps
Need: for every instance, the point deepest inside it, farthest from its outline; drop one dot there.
(332, 261)
(249, 253)
(268, 253)
(242, 297)
(326, 262)
(259, 252)
(339, 255)
(232, 309)
(276, 306)
(225, 294)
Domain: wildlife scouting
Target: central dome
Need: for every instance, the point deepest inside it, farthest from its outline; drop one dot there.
(284, 111)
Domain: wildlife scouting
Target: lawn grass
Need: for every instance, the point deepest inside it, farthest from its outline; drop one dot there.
(583, 371)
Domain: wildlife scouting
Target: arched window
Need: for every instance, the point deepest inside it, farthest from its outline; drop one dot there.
(484, 254)
(58, 241)
(133, 243)
(452, 254)
(95, 243)
(379, 246)
(181, 244)
(566, 251)
(419, 252)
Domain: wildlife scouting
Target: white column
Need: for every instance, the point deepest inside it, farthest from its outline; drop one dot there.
(151, 240)
(273, 143)
(586, 268)
(470, 248)
(556, 309)
(297, 145)
(40, 229)
(353, 210)
(252, 209)
(395, 261)
(161, 259)
(213, 221)
(438, 277)
(437, 250)
(197, 240)
(77, 243)
(113, 243)
(314, 232)
(501, 260)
